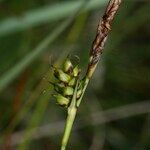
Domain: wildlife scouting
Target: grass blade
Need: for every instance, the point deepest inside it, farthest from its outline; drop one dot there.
(10, 75)
(43, 15)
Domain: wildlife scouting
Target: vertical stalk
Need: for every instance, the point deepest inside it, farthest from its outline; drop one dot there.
(103, 29)
(69, 123)
(72, 110)
(86, 81)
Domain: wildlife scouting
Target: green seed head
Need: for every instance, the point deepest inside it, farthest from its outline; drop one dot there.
(61, 100)
(72, 82)
(68, 91)
(76, 71)
(68, 67)
(59, 74)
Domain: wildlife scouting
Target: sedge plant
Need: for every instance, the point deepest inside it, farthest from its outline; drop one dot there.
(70, 87)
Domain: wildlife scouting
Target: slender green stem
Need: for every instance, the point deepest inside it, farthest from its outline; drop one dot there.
(86, 81)
(72, 110)
(69, 123)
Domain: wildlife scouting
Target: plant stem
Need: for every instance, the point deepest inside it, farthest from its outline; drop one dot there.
(69, 122)
(72, 110)
(86, 81)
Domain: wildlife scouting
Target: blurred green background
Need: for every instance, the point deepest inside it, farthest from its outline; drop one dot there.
(114, 114)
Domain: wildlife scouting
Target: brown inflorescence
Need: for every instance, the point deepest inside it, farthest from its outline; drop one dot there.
(103, 29)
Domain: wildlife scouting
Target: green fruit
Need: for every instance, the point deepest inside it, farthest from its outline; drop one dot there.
(72, 82)
(68, 91)
(59, 74)
(76, 71)
(68, 67)
(61, 100)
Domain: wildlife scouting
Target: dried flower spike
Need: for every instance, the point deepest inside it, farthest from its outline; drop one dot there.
(103, 29)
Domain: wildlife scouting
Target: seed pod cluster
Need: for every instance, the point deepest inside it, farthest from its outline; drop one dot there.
(66, 82)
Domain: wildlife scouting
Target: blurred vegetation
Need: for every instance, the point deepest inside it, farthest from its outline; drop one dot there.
(34, 34)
